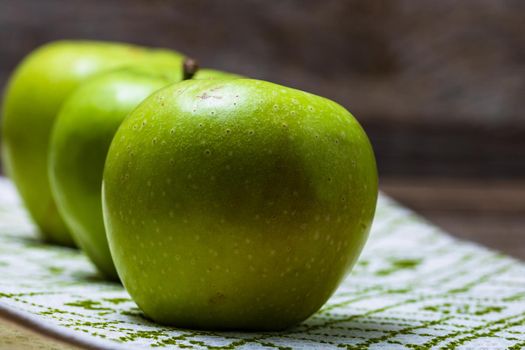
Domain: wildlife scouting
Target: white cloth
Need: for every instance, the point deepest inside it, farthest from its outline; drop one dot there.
(414, 287)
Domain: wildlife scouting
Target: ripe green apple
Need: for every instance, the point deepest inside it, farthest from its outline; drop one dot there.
(32, 100)
(237, 204)
(79, 143)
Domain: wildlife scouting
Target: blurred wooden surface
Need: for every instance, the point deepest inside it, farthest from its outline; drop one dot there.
(16, 337)
(489, 212)
(438, 85)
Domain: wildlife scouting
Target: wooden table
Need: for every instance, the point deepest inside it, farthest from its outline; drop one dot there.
(489, 212)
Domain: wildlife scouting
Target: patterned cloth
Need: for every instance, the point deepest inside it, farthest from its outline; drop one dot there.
(414, 287)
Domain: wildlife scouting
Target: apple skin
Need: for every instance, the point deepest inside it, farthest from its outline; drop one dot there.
(237, 204)
(79, 143)
(32, 100)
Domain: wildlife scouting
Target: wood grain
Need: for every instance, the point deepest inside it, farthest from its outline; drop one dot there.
(489, 212)
(16, 337)
(438, 86)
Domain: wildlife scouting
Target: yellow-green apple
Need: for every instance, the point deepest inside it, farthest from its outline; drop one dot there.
(237, 204)
(80, 140)
(79, 143)
(34, 95)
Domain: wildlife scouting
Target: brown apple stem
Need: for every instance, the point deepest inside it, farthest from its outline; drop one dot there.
(190, 67)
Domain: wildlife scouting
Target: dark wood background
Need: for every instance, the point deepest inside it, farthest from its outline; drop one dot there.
(438, 85)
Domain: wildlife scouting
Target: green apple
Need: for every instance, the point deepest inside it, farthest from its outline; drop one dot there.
(80, 140)
(79, 143)
(33, 98)
(237, 204)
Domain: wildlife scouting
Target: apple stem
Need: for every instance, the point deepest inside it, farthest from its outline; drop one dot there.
(190, 67)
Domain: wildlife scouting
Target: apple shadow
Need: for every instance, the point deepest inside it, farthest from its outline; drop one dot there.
(34, 242)
(137, 316)
(336, 330)
(351, 330)
(92, 277)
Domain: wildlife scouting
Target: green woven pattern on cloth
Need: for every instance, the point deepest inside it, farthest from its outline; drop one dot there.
(414, 287)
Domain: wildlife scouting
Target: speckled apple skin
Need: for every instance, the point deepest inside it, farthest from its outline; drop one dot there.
(80, 141)
(79, 144)
(237, 204)
(33, 97)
